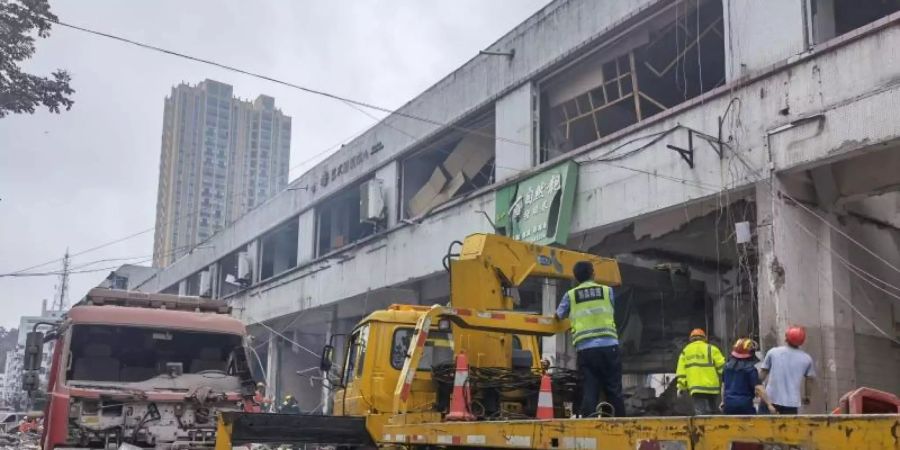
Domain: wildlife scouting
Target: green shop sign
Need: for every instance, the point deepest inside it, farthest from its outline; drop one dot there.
(539, 209)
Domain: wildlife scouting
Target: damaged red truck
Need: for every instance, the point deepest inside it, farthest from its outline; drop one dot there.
(150, 370)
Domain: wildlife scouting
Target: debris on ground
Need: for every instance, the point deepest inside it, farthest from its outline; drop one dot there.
(20, 441)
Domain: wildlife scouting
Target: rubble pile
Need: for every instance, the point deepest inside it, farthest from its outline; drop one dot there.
(643, 401)
(20, 441)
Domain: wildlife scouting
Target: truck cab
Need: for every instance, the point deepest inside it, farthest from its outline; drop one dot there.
(151, 370)
(373, 359)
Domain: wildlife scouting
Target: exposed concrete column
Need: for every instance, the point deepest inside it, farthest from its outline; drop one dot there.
(514, 116)
(802, 282)
(306, 239)
(555, 348)
(549, 344)
(839, 372)
(182, 287)
(273, 358)
(213, 280)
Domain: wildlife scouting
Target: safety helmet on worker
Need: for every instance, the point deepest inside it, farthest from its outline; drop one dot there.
(744, 348)
(260, 385)
(795, 336)
(698, 333)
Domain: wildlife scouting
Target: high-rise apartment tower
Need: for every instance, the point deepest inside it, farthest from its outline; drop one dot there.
(221, 156)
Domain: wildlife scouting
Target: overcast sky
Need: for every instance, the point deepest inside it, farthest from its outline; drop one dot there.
(89, 175)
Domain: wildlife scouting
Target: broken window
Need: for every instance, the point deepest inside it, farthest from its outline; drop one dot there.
(117, 281)
(193, 285)
(339, 222)
(133, 354)
(455, 164)
(228, 273)
(279, 249)
(831, 18)
(528, 296)
(173, 289)
(664, 63)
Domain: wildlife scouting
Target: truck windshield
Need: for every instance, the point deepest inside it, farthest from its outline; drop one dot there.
(132, 354)
(438, 348)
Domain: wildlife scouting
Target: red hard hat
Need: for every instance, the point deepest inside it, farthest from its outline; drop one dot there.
(795, 335)
(698, 333)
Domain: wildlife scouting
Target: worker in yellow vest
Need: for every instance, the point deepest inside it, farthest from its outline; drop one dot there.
(699, 373)
(589, 307)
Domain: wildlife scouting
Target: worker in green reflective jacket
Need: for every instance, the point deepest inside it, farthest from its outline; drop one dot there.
(699, 373)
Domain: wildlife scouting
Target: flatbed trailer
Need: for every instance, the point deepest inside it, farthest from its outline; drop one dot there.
(806, 432)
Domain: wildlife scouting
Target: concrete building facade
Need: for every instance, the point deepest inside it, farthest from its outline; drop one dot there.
(220, 157)
(738, 157)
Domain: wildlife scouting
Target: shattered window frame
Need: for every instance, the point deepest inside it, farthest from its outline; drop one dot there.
(440, 170)
(327, 209)
(285, 237)
(661, 64)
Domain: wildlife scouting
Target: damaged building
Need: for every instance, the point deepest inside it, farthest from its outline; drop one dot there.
(738, 157)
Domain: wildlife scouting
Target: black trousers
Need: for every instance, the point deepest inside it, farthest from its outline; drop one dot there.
(601, 369)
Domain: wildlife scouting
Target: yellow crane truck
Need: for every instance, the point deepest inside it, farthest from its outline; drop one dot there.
(390, 393)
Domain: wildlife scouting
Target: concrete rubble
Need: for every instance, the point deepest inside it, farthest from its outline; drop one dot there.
(20, 441)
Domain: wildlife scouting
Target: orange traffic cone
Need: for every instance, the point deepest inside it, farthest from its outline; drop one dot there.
(459, 402)
(545, 398)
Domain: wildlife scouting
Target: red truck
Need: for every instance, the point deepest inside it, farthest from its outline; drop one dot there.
(150, 370)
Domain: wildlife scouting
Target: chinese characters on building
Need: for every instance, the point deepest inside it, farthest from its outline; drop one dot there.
(531, 210)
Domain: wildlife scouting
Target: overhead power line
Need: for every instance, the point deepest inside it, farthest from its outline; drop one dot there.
(98, 247)
(81, 268)
(321, 93)
(604, 159)
(71, 272)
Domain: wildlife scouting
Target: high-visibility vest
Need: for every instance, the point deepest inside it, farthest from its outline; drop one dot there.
(591, 312)
(700, 368)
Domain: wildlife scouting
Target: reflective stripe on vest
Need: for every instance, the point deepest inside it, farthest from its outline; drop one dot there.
(592, 312)
(701, 375)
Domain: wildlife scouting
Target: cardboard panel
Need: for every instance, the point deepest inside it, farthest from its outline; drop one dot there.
(426, 195)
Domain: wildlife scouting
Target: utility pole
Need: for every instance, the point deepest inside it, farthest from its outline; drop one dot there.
(62, 301)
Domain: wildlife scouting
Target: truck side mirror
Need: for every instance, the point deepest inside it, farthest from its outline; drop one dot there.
(327, 358)
(34, 351)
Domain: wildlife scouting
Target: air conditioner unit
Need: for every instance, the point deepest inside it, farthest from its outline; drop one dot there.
(205, 284)
(371, 201)
(245, 269)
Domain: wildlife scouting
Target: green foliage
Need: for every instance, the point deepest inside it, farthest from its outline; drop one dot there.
(20, 92)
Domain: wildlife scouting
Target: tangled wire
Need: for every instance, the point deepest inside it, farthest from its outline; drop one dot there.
(523, 384)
